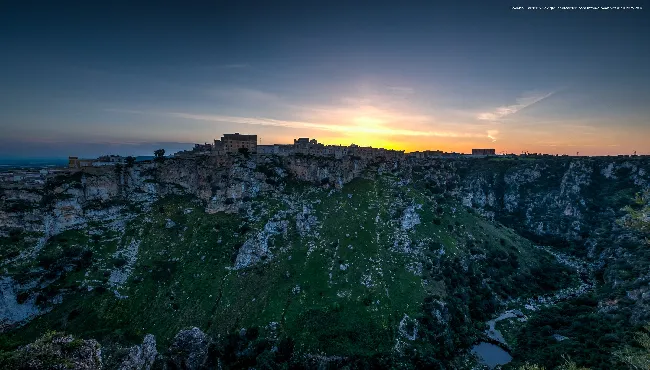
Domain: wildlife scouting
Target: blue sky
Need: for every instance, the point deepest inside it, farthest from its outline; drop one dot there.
(88, 78)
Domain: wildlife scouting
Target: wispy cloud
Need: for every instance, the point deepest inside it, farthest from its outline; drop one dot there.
(492, 134)
(379, 113)
(246, 95)
(401, 89)
(363, 125)
(371, 128)
(524, 101)
(362, 109)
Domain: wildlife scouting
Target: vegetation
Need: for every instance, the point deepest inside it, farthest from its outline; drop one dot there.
(592, 337)
(566, 365)
(638, 356)
(130, 161)
(317, 296)
(159, 155)
(639, 214)
(597, 339)
(52, 351)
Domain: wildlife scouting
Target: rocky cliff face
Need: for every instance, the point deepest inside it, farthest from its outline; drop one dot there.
(572, 204)
(69, 202)
(549, 197)
(104, 200)
(557, 198)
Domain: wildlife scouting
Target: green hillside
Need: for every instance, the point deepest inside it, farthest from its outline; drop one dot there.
(378, 272)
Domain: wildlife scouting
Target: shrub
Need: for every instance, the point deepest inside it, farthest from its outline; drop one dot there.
(159, 155)
(119, 262)
(22, 297)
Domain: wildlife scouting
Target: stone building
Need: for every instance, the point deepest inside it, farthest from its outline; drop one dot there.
(112, 159)
(483, 152)
(301, 142)
(275, 149)
(108, 160)
(427, 154)
(231, 143)
(202, 148)
(76, 162)
(338, 151)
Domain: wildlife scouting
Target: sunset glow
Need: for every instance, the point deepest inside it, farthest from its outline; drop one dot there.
(324, 75)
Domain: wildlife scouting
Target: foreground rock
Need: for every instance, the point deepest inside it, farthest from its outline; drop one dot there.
(57, 351)
(141, 357)
(189, 350)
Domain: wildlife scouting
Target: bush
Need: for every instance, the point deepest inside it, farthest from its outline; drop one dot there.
(22, 297)
(159, 155)
(119, 262)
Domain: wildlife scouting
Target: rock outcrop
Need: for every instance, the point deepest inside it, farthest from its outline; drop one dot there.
(189, 350)
(256, 249)
(57, 351)
(141, 357)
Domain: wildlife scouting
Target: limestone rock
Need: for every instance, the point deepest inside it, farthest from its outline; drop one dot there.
(256, 249)
(58, 351)
(189, 350)
(12, 312)
(410, 218)
(141, 357)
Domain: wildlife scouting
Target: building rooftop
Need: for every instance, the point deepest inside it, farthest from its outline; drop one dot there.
(237, 136)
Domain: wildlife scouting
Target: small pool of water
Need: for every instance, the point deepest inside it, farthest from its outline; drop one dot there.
(491, 355)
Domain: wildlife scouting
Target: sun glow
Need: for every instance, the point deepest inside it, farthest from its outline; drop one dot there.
(370, 122)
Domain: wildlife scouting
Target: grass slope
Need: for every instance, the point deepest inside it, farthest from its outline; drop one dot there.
(343, 287)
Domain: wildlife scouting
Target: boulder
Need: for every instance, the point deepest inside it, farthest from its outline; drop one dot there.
(189, 350)
(141, 357)
(58, 351)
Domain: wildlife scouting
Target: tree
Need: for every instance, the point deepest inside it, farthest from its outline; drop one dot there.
(638, 216)
(130, 161)
(567, 365)
(637, 358)
(244, 151)
(528, 366)
(159, 155)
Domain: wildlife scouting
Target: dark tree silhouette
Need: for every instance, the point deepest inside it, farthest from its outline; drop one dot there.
(159, 155)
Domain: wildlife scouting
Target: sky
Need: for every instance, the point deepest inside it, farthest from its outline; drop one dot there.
(97, 77)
